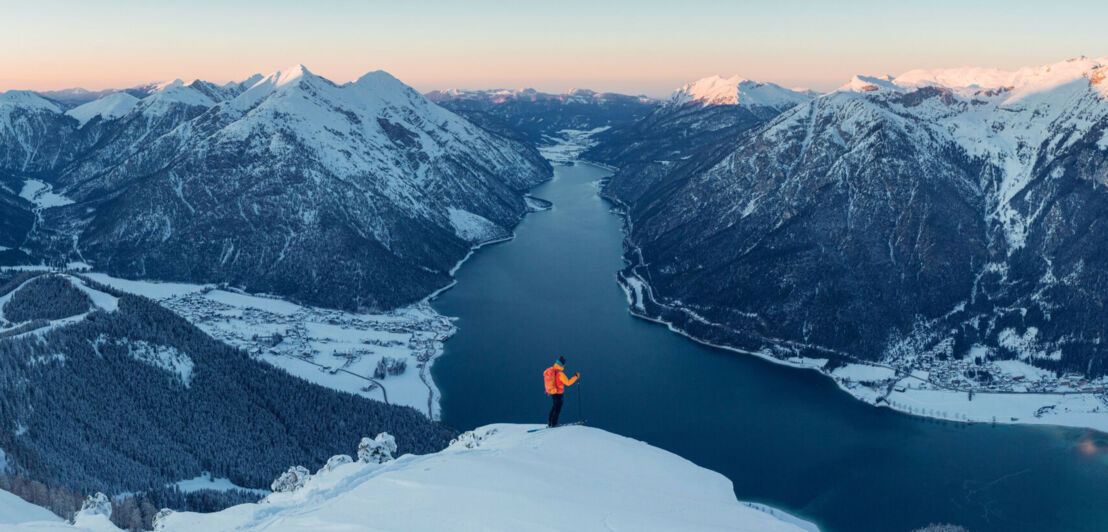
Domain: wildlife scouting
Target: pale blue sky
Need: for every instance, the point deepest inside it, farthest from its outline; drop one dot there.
(640, 47)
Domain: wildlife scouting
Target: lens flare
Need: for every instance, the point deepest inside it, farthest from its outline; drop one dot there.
(1088, 447)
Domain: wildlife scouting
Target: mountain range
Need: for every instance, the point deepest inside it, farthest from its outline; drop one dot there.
(939, 213)
(359, 196)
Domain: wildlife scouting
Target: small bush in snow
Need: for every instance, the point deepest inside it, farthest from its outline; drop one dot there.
(291, 480)
(335, 461)
(378, 450)
(470, 439)
(389, 366)
(98, 504)
(159, 518)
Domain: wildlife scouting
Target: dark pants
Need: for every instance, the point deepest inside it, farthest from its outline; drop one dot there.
(555, 410)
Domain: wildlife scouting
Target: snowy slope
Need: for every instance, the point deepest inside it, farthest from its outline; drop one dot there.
(111, 106)
(735, 90)
(572, 478)
(14, 510)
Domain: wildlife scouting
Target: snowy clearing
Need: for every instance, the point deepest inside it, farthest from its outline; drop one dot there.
(206, 482)
(42, 195)
(863, 372)
(569, 144)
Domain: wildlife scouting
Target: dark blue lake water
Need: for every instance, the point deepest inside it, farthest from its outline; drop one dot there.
(785, 437)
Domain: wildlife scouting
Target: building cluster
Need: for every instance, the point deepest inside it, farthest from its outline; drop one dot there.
(989, 376)
(261, 332)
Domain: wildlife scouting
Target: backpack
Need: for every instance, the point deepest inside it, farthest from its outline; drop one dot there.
(550, 379)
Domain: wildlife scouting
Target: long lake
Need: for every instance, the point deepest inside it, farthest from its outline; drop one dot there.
(785, 437)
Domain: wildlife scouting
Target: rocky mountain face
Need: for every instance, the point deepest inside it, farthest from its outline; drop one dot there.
(533, 116)
(951, 213)
(694, 127)
(362, 195)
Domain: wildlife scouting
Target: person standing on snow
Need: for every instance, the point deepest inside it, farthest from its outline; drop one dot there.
(556, 381)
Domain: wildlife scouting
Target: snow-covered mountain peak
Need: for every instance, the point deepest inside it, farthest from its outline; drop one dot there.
(172, 93)
(379, 81)
(111, 106)
(1013, 119)
(736, 90)
(1021, 83)
(285, 76)
(172, 84)
(27, 99)
(869, 84)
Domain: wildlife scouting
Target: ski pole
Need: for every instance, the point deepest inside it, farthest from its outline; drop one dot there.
(579, 418)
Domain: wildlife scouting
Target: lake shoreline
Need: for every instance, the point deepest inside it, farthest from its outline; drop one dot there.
(1043, 409)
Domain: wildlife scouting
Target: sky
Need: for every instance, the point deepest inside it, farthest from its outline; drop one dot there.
(642, 47)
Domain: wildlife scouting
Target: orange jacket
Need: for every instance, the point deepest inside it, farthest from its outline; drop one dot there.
(556, 379)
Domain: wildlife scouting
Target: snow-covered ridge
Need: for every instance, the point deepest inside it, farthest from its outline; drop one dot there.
(736, 90)
(26, 99)
(500, 477)
(531, 95)
(111, 106)
(1011, 119)
(983, 83)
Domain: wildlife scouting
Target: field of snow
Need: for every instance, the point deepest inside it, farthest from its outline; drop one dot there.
(503, 478)
(863, 372)
(569, 144)
(206, 482)
(14, 511)
(332, 348)
(42, 195)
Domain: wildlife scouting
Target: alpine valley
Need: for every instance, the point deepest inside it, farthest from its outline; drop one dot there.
(210, 290)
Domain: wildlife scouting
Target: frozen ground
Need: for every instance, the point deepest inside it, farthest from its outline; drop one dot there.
(336, 349)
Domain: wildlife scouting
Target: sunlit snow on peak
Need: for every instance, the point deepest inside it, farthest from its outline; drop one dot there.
(736, 90)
